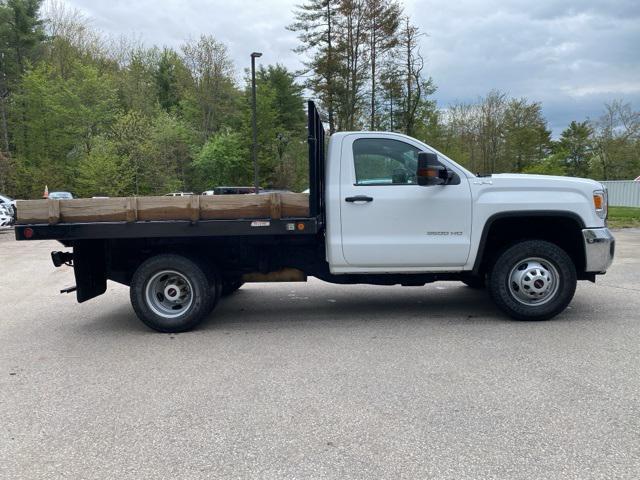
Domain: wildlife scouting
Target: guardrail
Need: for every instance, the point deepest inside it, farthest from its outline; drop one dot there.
(623, 193)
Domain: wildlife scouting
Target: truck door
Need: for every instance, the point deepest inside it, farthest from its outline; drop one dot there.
(387, 219)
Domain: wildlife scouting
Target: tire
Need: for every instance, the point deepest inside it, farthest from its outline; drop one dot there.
(532, 280)
(230, 286)
(215, 285)
(474, 281)
(162, 277)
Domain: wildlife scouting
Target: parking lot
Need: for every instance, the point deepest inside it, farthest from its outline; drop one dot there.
(318, 381)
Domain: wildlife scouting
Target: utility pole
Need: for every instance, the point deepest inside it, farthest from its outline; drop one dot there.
(254, 124)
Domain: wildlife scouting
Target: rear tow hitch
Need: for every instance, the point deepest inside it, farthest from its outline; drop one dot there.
(62, 258)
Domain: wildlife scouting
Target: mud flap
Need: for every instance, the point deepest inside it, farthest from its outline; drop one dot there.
(90, 268)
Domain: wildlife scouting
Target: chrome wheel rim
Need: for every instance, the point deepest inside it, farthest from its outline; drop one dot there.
(169, 294)
(534, 281)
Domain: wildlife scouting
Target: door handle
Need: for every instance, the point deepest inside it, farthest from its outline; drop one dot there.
(359, 198)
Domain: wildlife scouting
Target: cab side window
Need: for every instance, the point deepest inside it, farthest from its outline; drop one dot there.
(381, 161)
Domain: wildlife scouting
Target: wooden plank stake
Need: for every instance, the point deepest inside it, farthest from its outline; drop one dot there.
(132, 210)
(54, 211)
(194, 208)
(275, 206)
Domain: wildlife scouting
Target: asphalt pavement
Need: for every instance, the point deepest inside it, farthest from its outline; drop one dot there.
(315, 381)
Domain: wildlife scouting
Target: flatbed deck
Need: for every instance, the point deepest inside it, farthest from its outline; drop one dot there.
(156, 217)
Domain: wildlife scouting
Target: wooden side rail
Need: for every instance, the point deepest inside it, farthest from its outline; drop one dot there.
(133, 209)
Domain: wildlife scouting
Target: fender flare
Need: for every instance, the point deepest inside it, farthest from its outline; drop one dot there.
(518, 214)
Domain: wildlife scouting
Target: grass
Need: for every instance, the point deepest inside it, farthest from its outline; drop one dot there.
(624, 217)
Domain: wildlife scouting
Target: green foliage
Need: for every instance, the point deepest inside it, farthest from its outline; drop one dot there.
(21, 31)
(54, 118)
(526, 138)
(170, 75)
(616, 142)
(223, 160)
(104, 172)
(576, 146)
(551, 165)
(281, 123)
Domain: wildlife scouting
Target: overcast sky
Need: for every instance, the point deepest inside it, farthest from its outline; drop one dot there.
(571, 55)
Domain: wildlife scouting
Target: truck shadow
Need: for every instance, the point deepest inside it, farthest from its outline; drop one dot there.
(453, 304)
(256, 308)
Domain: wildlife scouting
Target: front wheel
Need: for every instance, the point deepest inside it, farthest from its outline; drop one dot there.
(171, 293)
(532, 280)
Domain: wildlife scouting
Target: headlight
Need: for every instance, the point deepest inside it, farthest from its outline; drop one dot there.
(600, 203)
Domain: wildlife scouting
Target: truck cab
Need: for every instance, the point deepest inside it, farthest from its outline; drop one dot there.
(381, 218)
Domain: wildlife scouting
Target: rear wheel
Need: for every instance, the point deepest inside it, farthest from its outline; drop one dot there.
(532, 280)
(171, 293)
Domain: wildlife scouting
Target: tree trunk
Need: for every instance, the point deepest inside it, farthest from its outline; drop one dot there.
(332, 127)
(373, 78)
(5, 127)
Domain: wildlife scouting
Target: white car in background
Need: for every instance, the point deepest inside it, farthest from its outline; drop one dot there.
(7, 200)
(7, 210)
(6, 215)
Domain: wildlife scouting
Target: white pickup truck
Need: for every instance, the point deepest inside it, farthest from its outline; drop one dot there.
(384, 209)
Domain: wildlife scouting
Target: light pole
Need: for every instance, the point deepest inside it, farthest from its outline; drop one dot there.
(254, 124)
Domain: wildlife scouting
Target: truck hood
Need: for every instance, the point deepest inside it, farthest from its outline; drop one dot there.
(506, 192)
(550, 181)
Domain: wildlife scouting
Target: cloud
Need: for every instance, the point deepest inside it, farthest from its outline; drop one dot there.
(571, 55)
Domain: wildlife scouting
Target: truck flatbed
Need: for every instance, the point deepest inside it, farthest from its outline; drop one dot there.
(155, 217)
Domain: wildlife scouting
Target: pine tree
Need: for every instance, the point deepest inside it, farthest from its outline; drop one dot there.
(383, 20)
(315, 23)
(21, 33)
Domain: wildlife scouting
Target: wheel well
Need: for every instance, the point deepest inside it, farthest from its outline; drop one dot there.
(564, 231)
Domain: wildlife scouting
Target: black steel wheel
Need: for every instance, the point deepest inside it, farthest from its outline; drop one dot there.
(532, 280)
(171, 293)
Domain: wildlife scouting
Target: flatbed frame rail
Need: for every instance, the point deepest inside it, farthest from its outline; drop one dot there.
(172, 228)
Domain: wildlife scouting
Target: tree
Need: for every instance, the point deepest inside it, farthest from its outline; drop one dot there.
(168, 74)
(168, 152)
(137, 87)
(353, 63)
(315, 23)
(281, 128)
(551, 165)
(223, 160)
(416, 88)
(214, 95)
(71, 39)
(288, 101)
(55, 120)
(383, 20)
(616, 140)
(526, 138)
(104, 171)
(576, 148)
(21, 33)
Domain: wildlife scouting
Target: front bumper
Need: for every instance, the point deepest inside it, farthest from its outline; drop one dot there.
(599, 247)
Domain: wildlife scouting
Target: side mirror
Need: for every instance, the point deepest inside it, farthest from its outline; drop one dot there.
(430, 171)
